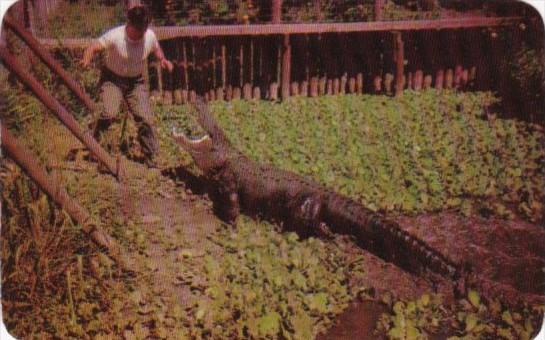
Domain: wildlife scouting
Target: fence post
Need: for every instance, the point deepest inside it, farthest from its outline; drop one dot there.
(379, 6)
(286, 67)
(276, 10)
(400, 63)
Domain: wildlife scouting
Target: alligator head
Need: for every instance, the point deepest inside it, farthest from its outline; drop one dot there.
(210, 151)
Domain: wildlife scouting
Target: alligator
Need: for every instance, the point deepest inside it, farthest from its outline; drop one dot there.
(308, 208)
(299, 204)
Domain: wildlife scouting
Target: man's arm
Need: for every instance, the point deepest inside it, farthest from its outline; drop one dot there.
(90, 52)
(158, 52)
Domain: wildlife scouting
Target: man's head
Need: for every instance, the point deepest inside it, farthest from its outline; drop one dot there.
(138, 20)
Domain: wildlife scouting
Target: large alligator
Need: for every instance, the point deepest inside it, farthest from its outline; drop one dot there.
(300, 204)
(306, 207)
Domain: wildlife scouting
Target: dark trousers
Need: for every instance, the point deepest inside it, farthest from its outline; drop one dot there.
(113, 90)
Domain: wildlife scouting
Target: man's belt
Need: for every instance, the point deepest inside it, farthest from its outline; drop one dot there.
(116, 78)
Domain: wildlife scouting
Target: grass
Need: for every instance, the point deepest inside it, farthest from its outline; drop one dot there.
(86, 18)
(90, 18)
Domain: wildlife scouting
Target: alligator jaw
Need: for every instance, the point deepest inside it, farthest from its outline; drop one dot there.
(200, 145)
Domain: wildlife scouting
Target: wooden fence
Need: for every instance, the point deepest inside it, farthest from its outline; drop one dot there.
(279, 66)
(272, 61)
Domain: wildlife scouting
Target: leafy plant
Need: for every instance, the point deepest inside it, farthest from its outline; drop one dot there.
(426, 151)
(269, 285)
(83, 19)
(468, 318)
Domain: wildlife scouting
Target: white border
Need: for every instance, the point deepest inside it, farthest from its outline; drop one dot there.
(539, 5)
(4, 5)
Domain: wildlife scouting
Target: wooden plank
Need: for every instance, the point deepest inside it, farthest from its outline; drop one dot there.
(171, 32)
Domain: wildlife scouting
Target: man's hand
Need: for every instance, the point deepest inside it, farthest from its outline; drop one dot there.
(166, 64)
(85, 62)
(89, 53)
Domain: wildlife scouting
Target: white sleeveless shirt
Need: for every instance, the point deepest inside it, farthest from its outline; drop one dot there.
(124, 56)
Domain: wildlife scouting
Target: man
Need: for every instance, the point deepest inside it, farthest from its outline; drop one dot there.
(127, 48)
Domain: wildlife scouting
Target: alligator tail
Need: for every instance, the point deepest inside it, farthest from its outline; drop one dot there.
(385, 238)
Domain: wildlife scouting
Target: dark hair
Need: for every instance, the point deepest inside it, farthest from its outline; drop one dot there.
(138, 16)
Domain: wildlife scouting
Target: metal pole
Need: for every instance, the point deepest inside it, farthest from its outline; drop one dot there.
(27, 161)
(53, 65)
(64, 116)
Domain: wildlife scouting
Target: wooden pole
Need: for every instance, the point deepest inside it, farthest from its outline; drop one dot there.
(241, 64)
(314, 87)
(379, 7)
(388, 80)
(359, 83)
(177, 75)
(185, 66)
(440, 79)
(251, 61)
(286, 67)
(400, 64)
(27, 161)
(279, 51)
(276, 15)
(303, 90)
(159, 72)
(223, 66)
(214, 68)
(318, 10)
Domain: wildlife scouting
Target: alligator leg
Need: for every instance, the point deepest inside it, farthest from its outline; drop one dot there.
(227, 202)
(303, 214)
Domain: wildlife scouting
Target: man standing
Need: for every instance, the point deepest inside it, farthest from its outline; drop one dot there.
(127, 48)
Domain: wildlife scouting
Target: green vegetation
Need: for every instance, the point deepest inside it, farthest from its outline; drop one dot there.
(56, 282)
(470, 319)
(427, 151)
(46, 282)
(268, 284)
(90, 18)
(83, 19)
